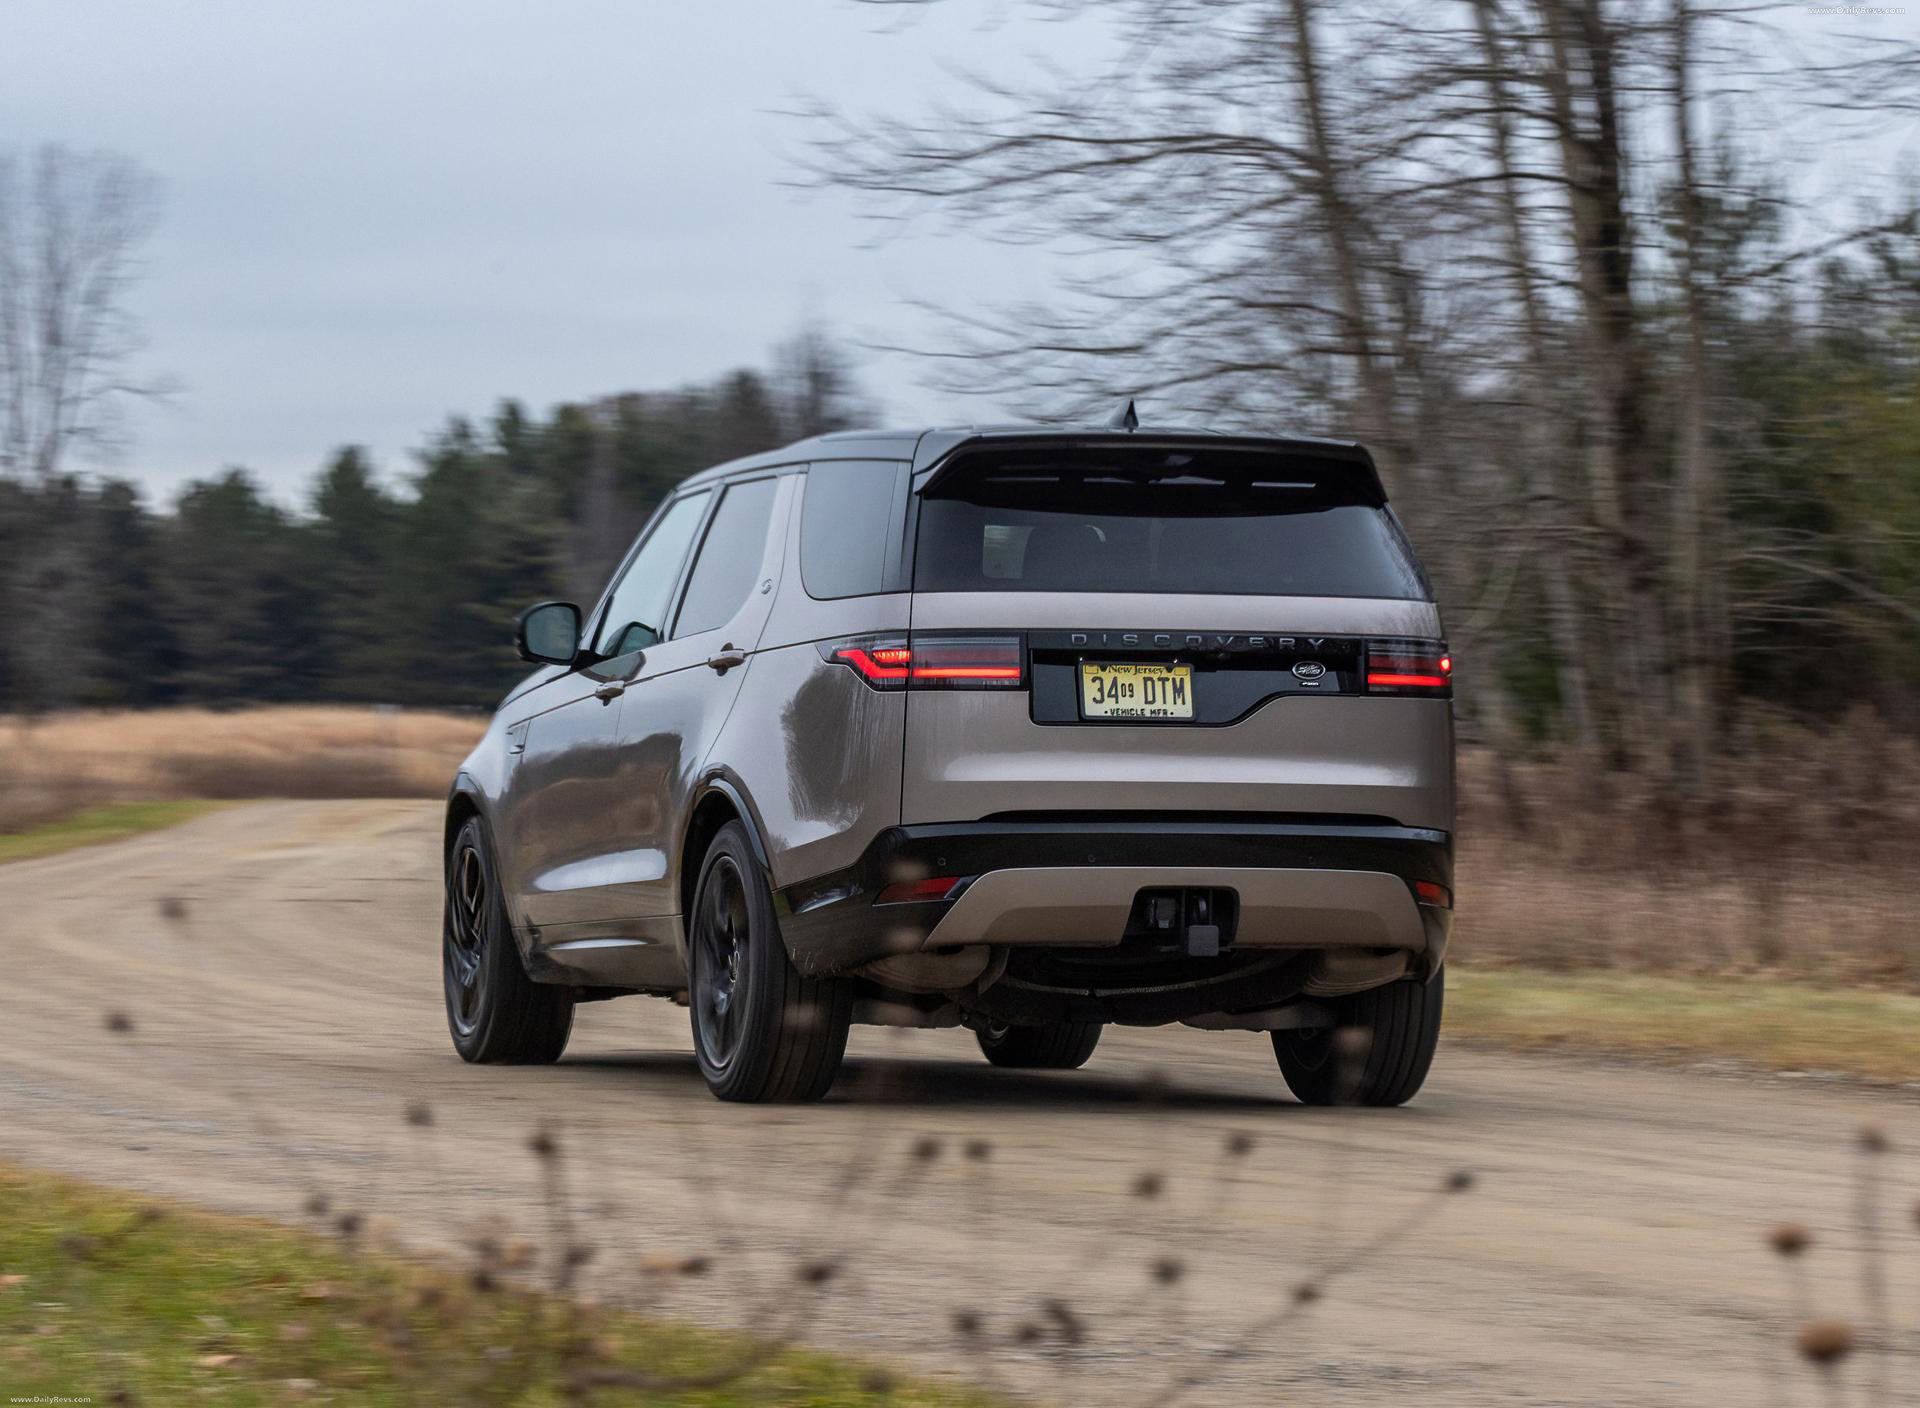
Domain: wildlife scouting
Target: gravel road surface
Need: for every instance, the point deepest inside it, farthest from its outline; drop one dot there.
(1104, 1232)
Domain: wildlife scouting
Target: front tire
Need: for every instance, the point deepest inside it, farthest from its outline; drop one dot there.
(495, 1012)
(761, 1030)
(1377, 1052)
(1058, 1046)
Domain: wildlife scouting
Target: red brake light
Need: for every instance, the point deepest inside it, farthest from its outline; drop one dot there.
(1408, 667)
(934, 662)
(1427, 892)
(880, 666)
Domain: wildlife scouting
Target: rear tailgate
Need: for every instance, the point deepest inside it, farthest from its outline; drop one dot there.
(1138, 693)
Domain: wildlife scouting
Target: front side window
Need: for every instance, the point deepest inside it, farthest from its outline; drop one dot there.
(636, 614)
(729, 562)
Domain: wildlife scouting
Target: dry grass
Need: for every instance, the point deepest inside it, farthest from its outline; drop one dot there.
(1794, 861)
(1787, 918)
(52, 768)
(1845, 797)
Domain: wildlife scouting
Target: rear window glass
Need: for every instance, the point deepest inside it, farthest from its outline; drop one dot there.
(1212, 524)
(846, 518)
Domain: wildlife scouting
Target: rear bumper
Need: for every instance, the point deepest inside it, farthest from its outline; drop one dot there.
(1070, 882)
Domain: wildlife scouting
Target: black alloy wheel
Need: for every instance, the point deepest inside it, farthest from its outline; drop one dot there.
(719, 944)
(467, 905)
(495, 1012)
(762, 1031)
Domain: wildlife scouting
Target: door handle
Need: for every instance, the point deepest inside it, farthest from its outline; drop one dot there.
(610, 691)
(727, 659)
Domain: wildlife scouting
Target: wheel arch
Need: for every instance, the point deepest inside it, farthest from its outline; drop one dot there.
(463, 804)
(719, 799)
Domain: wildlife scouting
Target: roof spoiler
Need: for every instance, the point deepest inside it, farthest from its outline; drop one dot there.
(940, 456)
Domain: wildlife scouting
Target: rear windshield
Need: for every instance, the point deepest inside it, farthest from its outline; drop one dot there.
(1212, 524)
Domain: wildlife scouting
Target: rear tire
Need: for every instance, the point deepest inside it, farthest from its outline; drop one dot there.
(1058, 1046)
(1378, 1051)
(496, 1014)
(761, 1030)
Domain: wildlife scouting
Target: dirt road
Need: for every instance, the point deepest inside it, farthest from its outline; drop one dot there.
(278, 964)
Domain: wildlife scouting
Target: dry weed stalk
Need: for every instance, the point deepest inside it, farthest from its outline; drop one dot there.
(1826, 1342)
(883, 1169)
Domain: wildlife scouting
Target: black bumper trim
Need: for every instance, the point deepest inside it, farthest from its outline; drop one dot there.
(831, 924)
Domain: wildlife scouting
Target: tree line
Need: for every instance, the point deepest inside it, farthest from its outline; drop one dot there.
(369, 592)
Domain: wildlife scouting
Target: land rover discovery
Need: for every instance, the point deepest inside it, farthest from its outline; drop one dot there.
(1030, 731)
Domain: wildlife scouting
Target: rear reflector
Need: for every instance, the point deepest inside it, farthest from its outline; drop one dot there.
(918, 891)
(933, 662)
(1429, 893)
(1408, 667)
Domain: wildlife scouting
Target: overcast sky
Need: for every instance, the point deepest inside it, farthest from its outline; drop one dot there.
(378, 214)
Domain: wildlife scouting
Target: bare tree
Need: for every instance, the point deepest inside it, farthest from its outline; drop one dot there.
(815, 384)
(71, 227)
(1474, 234)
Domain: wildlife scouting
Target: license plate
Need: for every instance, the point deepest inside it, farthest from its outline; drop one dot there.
(1136, 691)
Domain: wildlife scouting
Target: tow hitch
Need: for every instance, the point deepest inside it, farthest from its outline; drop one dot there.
(1198, 922)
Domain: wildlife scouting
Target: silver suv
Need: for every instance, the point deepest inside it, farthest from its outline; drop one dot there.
(1022, 730)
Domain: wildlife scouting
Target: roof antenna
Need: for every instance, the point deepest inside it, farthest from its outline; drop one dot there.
(1126, 420)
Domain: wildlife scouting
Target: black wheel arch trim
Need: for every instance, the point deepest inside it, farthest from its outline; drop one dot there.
(728, 785)
(464, 789)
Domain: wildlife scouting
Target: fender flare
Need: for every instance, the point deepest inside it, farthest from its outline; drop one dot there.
(467, 789)
(726, 785)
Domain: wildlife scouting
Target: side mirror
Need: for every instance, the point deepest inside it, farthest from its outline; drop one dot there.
(548, 633)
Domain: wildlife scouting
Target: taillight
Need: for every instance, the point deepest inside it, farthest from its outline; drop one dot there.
(1427, 892)
(1409, 667)
(967, 662)
(884, 666)
(933, 662)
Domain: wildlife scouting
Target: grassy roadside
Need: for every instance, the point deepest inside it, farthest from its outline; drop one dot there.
(1769, 1024)
(115, 821)
(124, 1299)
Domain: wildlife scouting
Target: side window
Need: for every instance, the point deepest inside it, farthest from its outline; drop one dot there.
(636, 615)
(846, 522)
(729, 563)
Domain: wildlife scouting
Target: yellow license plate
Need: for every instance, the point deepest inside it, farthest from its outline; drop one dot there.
(1136, 691)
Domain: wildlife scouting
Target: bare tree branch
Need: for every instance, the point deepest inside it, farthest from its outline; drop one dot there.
(70, 230)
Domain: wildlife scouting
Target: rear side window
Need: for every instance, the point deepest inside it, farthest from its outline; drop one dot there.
(846, 525)
(729, 561)
(1207, 523)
